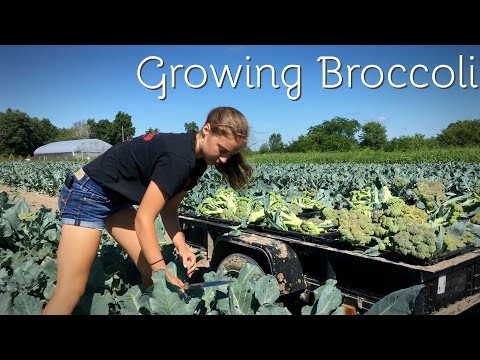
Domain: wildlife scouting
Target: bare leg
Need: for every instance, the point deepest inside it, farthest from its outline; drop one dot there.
(121, 226)
(76, 252)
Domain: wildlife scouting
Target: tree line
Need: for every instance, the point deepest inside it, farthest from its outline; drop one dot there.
(342, 135)
(21, 134)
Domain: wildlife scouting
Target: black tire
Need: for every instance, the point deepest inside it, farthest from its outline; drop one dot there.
(234, 262)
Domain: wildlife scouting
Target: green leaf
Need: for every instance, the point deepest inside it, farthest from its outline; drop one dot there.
(99, 304)
(266, 290)
(223, 305)
(160, 229)
(339, 311)
(6, 307)
(193, 305)
(439, 241)
(49, 267)
(132, 301)
(372, 251)
(234, 231)
(400, 302)
(307, 310)
(248, 274)
(27, 305)
(48, 291)
(12, 223)
(329, 298)
(457, 229)
(475, 230)
(240, 299)
(166, 298)
(270, 309)
(240, 291)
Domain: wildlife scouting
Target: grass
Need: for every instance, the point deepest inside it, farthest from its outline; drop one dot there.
(468, 155)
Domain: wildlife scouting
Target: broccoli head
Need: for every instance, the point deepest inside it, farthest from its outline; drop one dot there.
(418, 240)
(451, 243)
(468, 238)
(331, 214)
(430, 193)
(355, 227)
(475, 219)
(398, 218)
(311, 228)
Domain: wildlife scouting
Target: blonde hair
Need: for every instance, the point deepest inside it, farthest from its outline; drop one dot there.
(227, 121)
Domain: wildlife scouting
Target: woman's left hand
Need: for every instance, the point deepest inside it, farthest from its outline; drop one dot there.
(189, 260)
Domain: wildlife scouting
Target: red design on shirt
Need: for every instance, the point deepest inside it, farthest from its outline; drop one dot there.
(148, 137)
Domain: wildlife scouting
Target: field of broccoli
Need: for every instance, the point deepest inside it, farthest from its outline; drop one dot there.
(418, 213)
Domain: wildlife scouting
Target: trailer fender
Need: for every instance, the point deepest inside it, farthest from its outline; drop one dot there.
(273, 257)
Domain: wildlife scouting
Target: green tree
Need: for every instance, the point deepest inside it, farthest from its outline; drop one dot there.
(21, 135)
(100, 130)
(64, 134)
(150, 130)
(15, 132)
(275, 143)
(461, 133)
(343, 127)
(337, 134)
(304, 143)
(337, 143)
(122, 128)
(191, 126)
(264, 148)
(43, 132)
(373, 136)
(409, 143)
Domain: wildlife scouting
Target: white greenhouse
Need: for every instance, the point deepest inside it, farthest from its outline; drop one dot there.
(83, 149)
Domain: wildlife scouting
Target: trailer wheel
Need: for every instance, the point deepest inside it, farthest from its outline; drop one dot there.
(234, 262)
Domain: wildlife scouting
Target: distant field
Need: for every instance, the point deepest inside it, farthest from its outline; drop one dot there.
(470, 155)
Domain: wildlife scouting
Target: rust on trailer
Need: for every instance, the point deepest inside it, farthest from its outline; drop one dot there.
(255, 239)
(281, 257)
(349, 309)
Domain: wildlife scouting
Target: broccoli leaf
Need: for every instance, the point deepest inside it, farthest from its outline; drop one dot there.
(400, 302)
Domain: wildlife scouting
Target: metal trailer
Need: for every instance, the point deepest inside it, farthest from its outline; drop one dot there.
(300, 264)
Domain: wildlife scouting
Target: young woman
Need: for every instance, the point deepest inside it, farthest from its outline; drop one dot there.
(153, 171)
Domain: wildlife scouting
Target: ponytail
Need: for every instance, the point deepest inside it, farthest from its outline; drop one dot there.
(236, 171)
(227, 121)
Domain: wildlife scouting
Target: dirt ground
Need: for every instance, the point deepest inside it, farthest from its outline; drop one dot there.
(34, 199)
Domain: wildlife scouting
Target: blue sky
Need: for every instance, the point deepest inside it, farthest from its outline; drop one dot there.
(68, 83)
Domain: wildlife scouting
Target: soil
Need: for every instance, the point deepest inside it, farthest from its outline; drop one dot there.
(34, 199)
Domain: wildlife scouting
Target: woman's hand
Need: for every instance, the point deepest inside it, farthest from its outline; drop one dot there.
(189, 260)
(175, 281)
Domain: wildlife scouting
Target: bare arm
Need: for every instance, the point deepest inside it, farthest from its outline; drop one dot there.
(152, 203)
(169, 215)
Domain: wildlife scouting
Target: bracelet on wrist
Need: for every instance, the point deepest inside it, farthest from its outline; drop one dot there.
(156, 262)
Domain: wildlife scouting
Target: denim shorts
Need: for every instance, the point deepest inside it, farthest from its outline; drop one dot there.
(82, 202)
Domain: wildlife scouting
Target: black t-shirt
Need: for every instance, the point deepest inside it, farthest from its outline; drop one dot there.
(167, 159)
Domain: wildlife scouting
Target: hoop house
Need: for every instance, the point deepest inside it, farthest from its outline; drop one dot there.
(83, 149)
